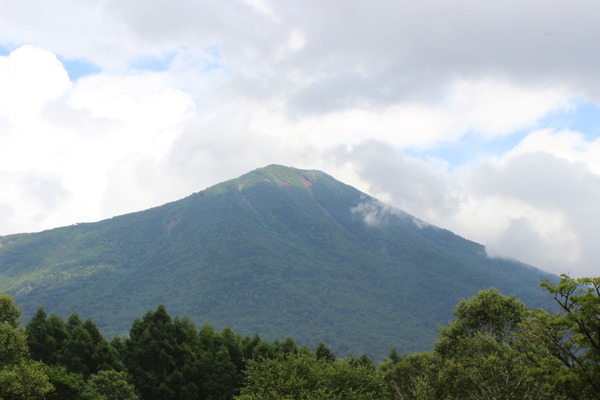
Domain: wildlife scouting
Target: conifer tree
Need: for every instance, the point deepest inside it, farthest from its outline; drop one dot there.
(161, 356)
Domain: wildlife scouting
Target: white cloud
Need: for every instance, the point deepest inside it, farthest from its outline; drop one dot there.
(59, 143)
(544, 202)
(29, 77)
(565, 144)
(529, 204)
(262, 7)
(409, 184)
(494, 108)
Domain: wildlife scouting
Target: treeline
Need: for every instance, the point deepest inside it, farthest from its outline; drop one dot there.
(494, 349)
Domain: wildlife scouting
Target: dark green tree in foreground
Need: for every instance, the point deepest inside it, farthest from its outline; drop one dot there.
(77, 345)
(162, 355)
(20, 377)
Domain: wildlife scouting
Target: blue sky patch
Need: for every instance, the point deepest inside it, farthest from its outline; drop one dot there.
(153, 63)
(584, 118)
(470, 149)
(77, 68)
(6, 49)
(214, 59)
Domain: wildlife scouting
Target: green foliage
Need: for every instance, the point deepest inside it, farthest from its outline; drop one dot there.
(564, 347)
(477, 356)
(109, 385)
(20, 378)
(495, 348)
(77, 345)
(23, 380)
(412, 377)
(163, 356)
(66, 385)
(305, 376)
(324, 352)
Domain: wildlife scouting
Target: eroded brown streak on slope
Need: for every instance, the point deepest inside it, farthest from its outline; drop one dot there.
(309, 188)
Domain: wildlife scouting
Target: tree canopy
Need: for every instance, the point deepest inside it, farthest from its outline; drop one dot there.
(495, 348)
(20, 377)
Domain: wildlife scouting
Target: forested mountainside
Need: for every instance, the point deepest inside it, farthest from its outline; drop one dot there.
(278, 251)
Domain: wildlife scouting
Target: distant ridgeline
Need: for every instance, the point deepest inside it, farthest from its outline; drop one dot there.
(279, 251)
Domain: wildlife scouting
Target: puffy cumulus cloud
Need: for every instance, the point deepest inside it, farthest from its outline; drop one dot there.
(546, 209)
(29, 77)
(148, 113)
(57, 150)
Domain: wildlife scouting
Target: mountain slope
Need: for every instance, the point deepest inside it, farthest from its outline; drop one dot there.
(278, 251)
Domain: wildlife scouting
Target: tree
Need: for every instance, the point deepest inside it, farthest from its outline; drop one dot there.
(67, 385)
(85, 351)
(478, 354)
(288, 346)
(13, 346)
(78, 348)
(222, 379)
(564, 347)
(303, 375)
(37, 337)
(20, 377)
(23, 380)
(46, 337)
(109, 385)
(162, 356)
(56, 330)
(412, 377)
(323, 351)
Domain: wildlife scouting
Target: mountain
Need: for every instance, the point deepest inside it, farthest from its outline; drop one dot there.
(278, 251)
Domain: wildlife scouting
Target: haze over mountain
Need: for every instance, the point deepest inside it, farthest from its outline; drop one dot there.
(278, 251)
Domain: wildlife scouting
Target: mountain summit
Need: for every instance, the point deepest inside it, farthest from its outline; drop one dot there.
(278, 251)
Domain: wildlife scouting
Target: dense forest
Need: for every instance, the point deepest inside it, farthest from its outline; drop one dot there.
(495, 348)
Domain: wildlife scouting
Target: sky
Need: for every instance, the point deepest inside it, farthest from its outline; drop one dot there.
(478, 117)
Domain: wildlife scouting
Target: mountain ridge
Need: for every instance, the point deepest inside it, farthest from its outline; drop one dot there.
(279, 251)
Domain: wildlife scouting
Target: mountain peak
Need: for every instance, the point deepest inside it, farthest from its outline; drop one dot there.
(283, 175)
(279, 251)
(273, 174)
